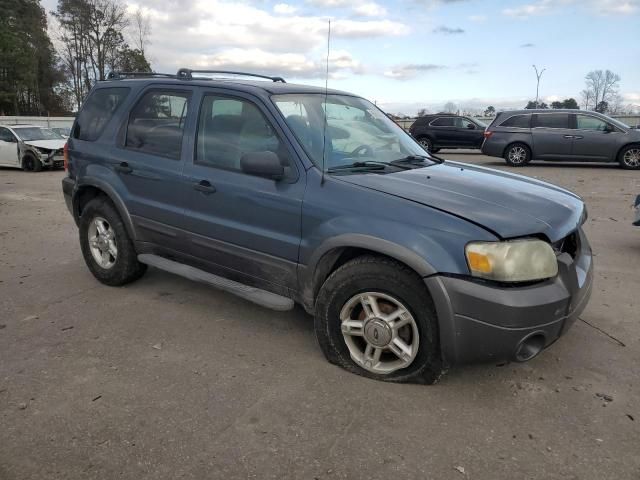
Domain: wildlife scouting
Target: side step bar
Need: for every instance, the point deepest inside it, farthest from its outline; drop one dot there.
(255, 295)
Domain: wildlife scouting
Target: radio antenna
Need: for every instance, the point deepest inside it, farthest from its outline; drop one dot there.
(326, 94)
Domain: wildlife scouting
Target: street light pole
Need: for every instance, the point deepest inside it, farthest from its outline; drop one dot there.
(538, 75)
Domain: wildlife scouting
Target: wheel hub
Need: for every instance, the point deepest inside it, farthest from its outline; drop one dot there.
(377, 332)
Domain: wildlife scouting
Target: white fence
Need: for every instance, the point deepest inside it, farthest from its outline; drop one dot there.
(42, 121)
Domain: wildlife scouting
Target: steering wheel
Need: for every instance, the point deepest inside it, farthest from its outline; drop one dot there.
(362, 151)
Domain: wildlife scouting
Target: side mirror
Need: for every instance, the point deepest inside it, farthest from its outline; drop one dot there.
(262, 164)
(471, 126)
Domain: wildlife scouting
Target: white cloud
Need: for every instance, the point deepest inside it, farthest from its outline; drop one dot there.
(616, 7)
(370, 9)
(527, 10)
(284, 9)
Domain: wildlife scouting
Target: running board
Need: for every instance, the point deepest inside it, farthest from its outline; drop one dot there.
(255, 295)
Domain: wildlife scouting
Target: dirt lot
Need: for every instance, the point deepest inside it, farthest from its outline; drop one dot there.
(168, 379)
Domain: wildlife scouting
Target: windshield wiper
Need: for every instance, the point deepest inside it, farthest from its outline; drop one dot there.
(366, 165)
(417, 158)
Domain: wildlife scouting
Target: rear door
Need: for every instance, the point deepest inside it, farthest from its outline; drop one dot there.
(8, 148)
(444, 131)
(150, 161)
(552, 136)
(595, 139)
(246, 226)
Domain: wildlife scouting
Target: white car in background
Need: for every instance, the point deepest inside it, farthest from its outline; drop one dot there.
(30, 147)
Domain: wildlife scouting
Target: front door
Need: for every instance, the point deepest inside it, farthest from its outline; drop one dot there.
(9, 156)
(469, 133)
(552, 136)
(595, 139)
(247, 226)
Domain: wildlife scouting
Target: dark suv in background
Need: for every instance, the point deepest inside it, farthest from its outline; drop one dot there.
(446, 130)
(524, 135)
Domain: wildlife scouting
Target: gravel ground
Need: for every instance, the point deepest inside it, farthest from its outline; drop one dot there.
(168, 379)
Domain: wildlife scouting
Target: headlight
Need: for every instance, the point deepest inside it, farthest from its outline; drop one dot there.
(43, 152)
(512, 261)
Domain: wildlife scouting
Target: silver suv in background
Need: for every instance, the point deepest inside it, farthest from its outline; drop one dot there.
(569, 135)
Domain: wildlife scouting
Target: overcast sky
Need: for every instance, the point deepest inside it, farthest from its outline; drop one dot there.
(406, 54)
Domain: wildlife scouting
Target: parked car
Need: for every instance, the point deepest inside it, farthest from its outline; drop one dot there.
(524, 135)
(409, 264)
(62, 131)
(30, 147)
(446, 130)
(636, 221)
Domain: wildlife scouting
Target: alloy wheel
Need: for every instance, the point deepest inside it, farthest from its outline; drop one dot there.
(631, 158)
(102, 243)
(517, 154)
(426, 144)
(380, 332)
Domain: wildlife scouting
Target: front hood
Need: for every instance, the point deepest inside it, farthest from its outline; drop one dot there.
(508, 205)
(50, 144)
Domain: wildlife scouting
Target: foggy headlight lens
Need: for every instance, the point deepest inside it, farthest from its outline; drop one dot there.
(512, 261)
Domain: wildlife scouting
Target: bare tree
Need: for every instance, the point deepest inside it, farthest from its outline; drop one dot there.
(586, 98)
(602, 86)
(141, 27)
(450, 107)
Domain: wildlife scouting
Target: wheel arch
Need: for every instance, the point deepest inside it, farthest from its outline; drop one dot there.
(92, 189)
(515, 142)
(339, 250)
(626, 145)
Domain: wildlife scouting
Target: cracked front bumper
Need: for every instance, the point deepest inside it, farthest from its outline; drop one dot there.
(484, 322)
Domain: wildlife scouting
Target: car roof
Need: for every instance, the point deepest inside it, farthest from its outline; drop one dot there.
(22, 125)
(233, 84)
(549, 110)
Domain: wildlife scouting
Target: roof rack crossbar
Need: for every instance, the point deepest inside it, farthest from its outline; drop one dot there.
(121, 75)
(187, 74)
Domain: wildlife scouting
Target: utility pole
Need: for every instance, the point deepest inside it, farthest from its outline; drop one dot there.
(538, 75)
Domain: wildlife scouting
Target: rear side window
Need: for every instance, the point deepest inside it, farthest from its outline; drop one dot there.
(443, 122)
(553, 120)
(156, 123)
(518, 121)
(97, 111)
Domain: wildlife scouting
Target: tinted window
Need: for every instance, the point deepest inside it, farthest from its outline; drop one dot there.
(6, 135)
(97, 111)
(444, 122)
(228, 128)
(464, 123)
(553, 120)
(519, 121)
(156, 123)
(586, 122)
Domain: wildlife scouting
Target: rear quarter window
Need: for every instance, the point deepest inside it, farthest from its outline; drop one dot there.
(518, 121)
(96, 112)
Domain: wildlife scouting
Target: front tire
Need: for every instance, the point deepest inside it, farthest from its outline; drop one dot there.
(629, 157)
(31, 163)
(374, 317)
(517, 155)
(427, 144)
(106, 247)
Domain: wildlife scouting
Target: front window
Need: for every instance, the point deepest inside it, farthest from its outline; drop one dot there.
(356, 130)
(37, 133)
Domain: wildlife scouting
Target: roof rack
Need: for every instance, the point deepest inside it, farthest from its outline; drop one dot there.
(187, 74)
(121, 75)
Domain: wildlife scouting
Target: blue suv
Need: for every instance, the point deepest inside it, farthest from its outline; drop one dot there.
(286, 193)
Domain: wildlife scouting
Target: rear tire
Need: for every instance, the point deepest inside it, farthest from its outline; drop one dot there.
(427, 144)
(106, 247)
(629, 157)
(517, 155)
(365, 339)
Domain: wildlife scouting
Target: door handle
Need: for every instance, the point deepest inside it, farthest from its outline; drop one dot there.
(123, 167)
(578, 137)
(569, 136)
(204, 186)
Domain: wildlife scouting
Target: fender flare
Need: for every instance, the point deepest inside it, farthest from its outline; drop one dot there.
(92, 182)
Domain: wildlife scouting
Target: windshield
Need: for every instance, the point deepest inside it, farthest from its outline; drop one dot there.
(37, 133)
(357, 130)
